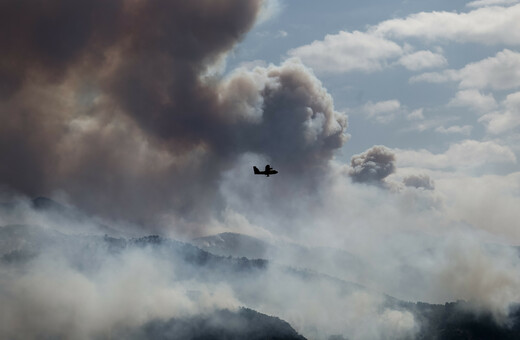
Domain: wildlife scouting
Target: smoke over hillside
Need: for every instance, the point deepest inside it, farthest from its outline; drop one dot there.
(125, 112)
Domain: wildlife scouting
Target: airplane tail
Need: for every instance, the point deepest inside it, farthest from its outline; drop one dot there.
(255, 169)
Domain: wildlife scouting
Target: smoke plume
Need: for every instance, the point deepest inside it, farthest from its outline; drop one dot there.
(115, 105)
(419, 181)
(373, 165)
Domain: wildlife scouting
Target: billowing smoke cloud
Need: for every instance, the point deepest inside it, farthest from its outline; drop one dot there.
(62, 285)
(289, 116)
(115, 105)
(419, 181)
(373, 165)
(83, 288)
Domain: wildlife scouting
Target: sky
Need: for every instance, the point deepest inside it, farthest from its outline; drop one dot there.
(436, 82)
(394, 125)
(380, 61)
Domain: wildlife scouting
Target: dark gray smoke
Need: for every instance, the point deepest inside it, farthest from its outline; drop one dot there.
(114, 104)
(284, 113)
(373, 165)
(419, 181)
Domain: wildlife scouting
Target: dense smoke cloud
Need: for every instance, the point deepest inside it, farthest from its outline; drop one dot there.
(373, 165)
(115, 105)
(116, 108)
(419, 181)
(99, 289)
(289, 116)
(61, 284)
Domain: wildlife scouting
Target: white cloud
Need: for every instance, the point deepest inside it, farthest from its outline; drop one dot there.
(282, 34)
(488, 25)
(416, 115)
(435, 77)
(270, 9)
(372, 50)
(474, 99)
(499, 72)
(484, 3)
(345, 51)
(464, 155)
(386, 111)
(423, 125)
(512, 101)
(428, 124)
(383, 111)
(422, 59)
(508, 119)
(455, 129)
(499, 122)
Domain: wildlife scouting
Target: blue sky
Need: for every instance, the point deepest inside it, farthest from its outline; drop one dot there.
(444, 111)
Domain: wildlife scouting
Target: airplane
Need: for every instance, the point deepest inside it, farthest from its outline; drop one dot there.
(268, 171)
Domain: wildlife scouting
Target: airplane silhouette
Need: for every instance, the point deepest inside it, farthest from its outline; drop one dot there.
(268, 171)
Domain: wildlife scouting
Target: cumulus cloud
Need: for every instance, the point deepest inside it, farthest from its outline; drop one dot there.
(383, 111)
(455, 129)
(484, 3)
(376, 48)
(499, 122)
(416, 115)
(475, 100)
(506, 119)
(373, 165)
(487, 25)
(500, 72)
(348, 51)
(90, 105)
(462, 155)
(430, 123)
(362, 51)
(422, 59)
(387, 111)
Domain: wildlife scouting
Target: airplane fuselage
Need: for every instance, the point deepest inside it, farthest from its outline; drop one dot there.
(267, 172)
